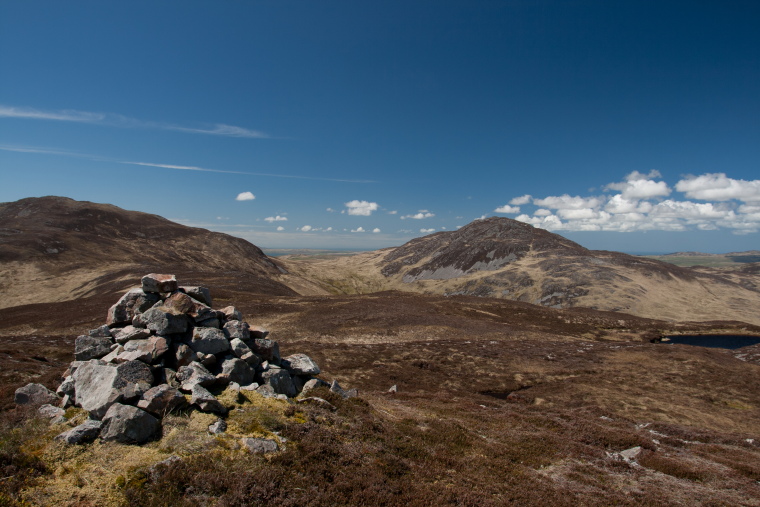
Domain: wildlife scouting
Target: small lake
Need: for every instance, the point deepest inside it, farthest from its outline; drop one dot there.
(717, 341)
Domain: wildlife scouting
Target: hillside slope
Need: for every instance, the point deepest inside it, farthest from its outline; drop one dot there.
(503, 258)
(68, 249)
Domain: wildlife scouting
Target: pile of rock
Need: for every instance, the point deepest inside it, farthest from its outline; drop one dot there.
(160, 343)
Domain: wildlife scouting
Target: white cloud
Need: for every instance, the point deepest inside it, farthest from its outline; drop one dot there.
(328, 229)
(358, 229)
(245, 196)
(305, 228)
(507, 209)
(392, 212)
(330, 210)
(567, 202)
(423, 213)
(361, 208)
(280, 228)
(522, 200)
(641, 186)
(719, 187)
(278, 218)
(376, 230)
(542, 212)
(427, 231)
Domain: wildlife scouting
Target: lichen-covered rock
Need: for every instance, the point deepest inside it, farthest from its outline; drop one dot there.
(161, 400)
(157, 283)
(91, 347)
(194, 374)
(103, 331)
(260, 445)
(128, 425)
(98, 386)
(266, 349)
(183, 354)
(300, 364)
(313, 384)
(280, 381)
(50, 412)
(201, 294)
(82, 434)
(220, 426)
(147, 351)
(130, 332)
(34, 394)
(206, 401)
(209, 340)
(163, 323)
(235, 329)
(130, 304)
(238, 371)
(231, 313)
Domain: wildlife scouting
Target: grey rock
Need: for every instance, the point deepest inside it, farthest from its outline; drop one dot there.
(257, 332)
(66, 387)
(166, 376)
(313, 384)
(50, 411)
(183, 354)
(212, 322)
(113, 355)
(157, 283)
(235, 329)
(352, 393)
(147, 351)
(201, 294)
(161, 400)
(101, 332)
(393, 389)
(163, 322)
(206, 360)
(300, 364)
(130, 304)
(260, 445)
(209, 340)
(206, 401)
(266, 349)
(280, 381)
(231, 313)
(631, 454)
(34, 394)
(194, 374)
(130, 332)
(91, 347)
(266, 391)
(250, 387)
(238, 371)
(82, 434)
(335, 387)
(128, 425)
(93, 384)
(239, 348)
(220, 426)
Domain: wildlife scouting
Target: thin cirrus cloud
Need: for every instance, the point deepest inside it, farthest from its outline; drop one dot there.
(97, 158)
(118, 120)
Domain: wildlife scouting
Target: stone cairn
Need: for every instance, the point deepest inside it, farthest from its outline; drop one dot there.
(160, 342)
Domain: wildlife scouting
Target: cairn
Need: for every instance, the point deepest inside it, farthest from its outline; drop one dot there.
(161, 344)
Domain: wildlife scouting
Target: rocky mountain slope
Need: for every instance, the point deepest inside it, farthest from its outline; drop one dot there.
(503, 258)
(69, 249)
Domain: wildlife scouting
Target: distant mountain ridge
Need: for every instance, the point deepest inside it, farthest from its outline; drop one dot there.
(504, 258)
(78, 248)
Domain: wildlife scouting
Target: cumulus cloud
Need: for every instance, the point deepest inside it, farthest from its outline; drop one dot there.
(567, 202)
(427, 231)
(522, 200)
(361, 208)
(719, 187)
(507, 209)
(358, 229)
(305, 228)
(640, 205)
(423, 213)
(277, 218)
(280, 228)
(245, 196)
(376, 230)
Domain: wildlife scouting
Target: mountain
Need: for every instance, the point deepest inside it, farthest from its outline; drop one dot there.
(68, 249)
(504, 258)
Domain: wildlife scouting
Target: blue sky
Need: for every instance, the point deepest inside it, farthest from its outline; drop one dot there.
(627, 125)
